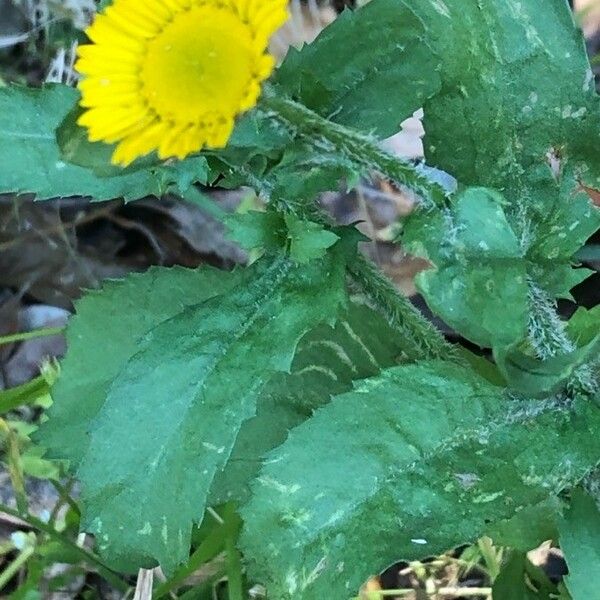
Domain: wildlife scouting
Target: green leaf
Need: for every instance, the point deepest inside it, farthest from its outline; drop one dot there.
(482, 366)
(308, 240)
(352, 71)
(304, 173)
(256, 132)
(499, 111)
(498, 120)
(529, 527)
(31, 160)
(584, 325)
(326, 363)
(257, 230)
(209, 539)
(27, 393)
(580, 542)
(390, 467)
(535, 377)
(517, 577)
(501, 121)
(271, 231)
(188, 385)
(479, 285)
(482, 277)
(141, 302)
(76, 148)
(257, 138)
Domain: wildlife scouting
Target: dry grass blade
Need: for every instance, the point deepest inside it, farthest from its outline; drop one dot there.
(143, 587)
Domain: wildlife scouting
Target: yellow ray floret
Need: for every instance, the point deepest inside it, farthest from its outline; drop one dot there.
(172, 75)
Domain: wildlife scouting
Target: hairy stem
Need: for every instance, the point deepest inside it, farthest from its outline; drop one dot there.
(423, 339)
(549, 338)
(421, 335)
(322, 134)
(356, 147)
(547, 333)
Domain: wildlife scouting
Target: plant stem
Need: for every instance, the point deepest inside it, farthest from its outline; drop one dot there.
(15, 467)
(64, 498)
(30, 335)
(210, 547)
(356, 147)
(15, 565)
(26, 393)
(423, 340)
(426, 341)
(547, 333)
(235, 578)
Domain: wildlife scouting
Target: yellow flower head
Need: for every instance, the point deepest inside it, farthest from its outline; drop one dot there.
(172, 75)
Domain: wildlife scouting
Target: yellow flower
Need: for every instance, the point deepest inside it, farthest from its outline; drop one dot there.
(172, 75)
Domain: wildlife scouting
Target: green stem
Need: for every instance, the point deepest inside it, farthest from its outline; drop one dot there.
(356, 147)
(64, 498)
(426, 341)
(235, 580)
(15, 467)
(27, 393)
(15, 565)
(30, 335)
(423, 340)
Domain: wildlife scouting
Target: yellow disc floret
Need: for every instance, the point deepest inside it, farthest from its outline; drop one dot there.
(172, 75)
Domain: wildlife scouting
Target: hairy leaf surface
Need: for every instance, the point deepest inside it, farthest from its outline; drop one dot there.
(326, 363)
(172, 404)
(482, 277)
(105, 334)
(408, 464)
(499, 117)
(501, 121)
